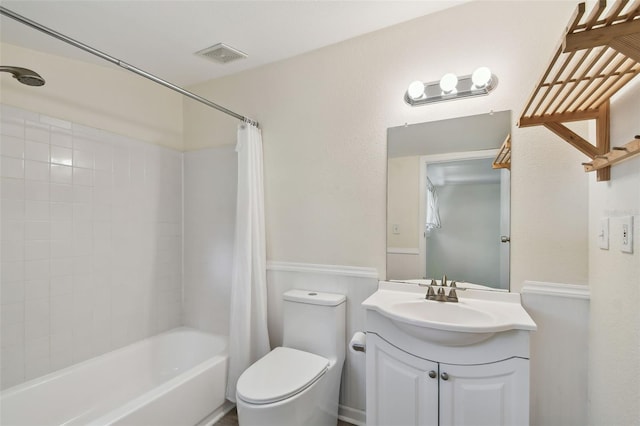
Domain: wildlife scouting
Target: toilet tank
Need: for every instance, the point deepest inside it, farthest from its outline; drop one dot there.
(315, 322)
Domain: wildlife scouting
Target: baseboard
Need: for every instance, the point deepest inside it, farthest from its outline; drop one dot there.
(347, 271)
(403, 250)
(219, 413)
(556, 289)
(352, 415)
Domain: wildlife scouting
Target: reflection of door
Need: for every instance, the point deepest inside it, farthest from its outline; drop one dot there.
(474, 212)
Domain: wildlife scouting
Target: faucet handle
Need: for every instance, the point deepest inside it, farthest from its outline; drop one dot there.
(453, 296)
(431, 295)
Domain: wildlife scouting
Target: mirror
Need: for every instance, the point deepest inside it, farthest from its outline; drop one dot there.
(448, 208)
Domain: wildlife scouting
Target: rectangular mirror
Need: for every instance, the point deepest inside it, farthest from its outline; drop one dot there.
(448, 208)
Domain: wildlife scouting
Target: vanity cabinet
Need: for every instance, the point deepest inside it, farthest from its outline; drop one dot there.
(404, 389)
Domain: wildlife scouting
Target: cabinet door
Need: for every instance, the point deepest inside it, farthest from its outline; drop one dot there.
(490, 394)
(400, 391)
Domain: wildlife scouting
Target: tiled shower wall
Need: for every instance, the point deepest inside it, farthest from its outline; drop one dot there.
(91, 242)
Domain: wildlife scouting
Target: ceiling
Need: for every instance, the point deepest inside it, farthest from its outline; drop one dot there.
(161, 37)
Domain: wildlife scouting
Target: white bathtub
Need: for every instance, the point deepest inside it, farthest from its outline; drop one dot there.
(175, 378)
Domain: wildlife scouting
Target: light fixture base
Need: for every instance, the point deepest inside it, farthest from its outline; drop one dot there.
(464, 89)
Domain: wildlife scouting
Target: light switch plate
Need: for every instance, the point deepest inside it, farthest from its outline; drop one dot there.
(603, 235)
(626, 234)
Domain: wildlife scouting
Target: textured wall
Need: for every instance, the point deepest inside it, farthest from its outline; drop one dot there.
(325, 114)
(102, 97)
(210, 180)
(614, 280)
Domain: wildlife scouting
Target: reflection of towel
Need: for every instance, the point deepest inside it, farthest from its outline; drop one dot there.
(433, 215)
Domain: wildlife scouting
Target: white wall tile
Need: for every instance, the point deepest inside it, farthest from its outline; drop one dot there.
(12, 127)
(12, 167)
(61, 155)
(12, 271)
(36, 289)
(37, 231)
(35, 190)
(36, 210)
(11, 291)
(82, 176)
(12, 189)
(61, 138)
(36, 132)
(61, 193)
(12, 313)
(82, 216)
(12, 210)
(11, 146)
(36, 170)
(36, 151)
(61, 174)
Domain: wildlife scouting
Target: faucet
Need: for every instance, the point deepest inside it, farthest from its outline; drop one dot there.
(441, 295)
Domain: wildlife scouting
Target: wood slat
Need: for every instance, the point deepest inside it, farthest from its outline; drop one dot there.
(573, 138)
(595, 59)
(503, 159)
(615, 156)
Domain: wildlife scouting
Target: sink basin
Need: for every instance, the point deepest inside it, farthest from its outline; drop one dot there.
(451, 324)
(445, 313)
(477, 316)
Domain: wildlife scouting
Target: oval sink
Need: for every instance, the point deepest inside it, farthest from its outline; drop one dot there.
(451, 324)
(444, 313)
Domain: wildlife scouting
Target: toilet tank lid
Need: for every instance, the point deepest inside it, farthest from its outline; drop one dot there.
(314, 297)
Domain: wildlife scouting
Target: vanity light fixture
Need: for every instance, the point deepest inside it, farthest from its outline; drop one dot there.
(451, 87)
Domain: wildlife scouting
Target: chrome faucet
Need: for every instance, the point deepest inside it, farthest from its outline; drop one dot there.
(441, 295)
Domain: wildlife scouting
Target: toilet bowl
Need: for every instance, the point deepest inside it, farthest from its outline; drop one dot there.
(299, 382)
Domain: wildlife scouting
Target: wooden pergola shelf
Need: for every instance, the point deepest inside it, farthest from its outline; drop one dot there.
(503, 159)
(595, 58)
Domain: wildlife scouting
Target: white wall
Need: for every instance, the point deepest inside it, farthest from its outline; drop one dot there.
(614, 279)
(324, 117)
(103, 97)
(210, 180)
(91, 242)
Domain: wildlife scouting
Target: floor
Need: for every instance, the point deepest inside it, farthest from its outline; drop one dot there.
(231, 419)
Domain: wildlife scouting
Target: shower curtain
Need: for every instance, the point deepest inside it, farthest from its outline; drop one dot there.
(248, 335)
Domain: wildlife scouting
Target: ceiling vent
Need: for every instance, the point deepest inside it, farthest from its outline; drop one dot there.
(221, 53)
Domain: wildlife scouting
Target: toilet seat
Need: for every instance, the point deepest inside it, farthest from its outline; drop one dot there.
(280, 374)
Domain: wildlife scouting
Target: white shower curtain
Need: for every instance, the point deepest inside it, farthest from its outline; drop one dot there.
(248, 335)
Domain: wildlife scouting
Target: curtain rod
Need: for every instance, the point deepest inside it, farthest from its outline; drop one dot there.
(28, 22)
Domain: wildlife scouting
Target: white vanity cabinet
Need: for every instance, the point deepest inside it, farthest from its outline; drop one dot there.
(488, 394)
(426, 379)
(399, 388)
(407, 390)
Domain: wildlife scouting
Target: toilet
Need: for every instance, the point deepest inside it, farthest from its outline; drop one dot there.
(299, 382)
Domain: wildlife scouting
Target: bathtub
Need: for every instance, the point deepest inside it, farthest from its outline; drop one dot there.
(175, 378)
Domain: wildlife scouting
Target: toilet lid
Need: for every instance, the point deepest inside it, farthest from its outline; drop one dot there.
(281, 373)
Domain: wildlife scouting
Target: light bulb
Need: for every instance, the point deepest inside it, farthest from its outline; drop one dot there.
(481, 77)
(416, 90)
(448, 82)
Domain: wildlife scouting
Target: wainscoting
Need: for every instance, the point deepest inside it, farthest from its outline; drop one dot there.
(559, 352)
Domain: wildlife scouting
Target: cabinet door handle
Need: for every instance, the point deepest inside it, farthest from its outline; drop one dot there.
(444, 376)
(433, 374)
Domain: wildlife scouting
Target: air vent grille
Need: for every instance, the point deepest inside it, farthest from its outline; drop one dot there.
(221, 53)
